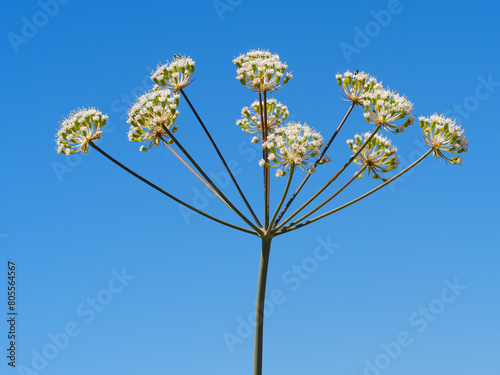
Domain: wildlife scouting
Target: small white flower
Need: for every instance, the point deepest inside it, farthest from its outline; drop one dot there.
(384, 107)
(81, 127)
(262, 162)
(250, 123)
(174, 75)
(261, 71)
(443, 134)
(354, 86)
(150, 113)
(378, 156)
(293, 144)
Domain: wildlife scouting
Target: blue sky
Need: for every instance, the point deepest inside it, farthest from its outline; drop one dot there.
(410, 283)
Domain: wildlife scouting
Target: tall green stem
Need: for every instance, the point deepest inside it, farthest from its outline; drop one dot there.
(259, 309)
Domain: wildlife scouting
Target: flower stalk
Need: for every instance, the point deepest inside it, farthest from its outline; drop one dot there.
(98, 149)
(233, 179)
(387, 182)
(317, 161)
(259, 309)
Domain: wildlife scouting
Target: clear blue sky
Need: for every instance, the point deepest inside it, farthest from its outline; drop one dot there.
(72, 225)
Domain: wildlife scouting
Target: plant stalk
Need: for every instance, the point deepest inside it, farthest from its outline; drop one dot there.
(218, 192)
(290, 228)
(168, 194)
(259, 309)
(377, 128)
(221, 158)
(316, 163)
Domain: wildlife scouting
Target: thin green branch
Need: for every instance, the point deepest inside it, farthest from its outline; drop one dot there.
(290, 176)
(316, 163)
(330, 198)
(266, 170)
(205, 176)
(221, 158)
(289, 229)
(367, 140)
(192, 170)
(168, 194)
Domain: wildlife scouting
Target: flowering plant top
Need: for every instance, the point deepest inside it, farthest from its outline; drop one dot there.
(284, 146)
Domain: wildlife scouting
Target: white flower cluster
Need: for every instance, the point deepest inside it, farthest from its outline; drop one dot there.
(354, 85)
(148, 115)
(250, 123)
(443, 134)
(175, 75)
(385, 107)
(292, 144)
(81, 127)
(379, 155)
(261, 71)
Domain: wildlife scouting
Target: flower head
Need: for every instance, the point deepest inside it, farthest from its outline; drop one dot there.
(385, 107)
(276, 114)
(261, 71)
(292, 144)
(354, 85)
(81, 127)
(442, 134)
(150, 113)
(174, 75)
(379, 155)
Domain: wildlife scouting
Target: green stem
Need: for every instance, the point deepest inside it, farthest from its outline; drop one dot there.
(317, 161)
(265, 153)
(168, 194)
(219, 193)
(221, 158)
(330, 198)
(289, 229)
(333, 178)
(259, 309)
(290, 176)
(192, 170)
